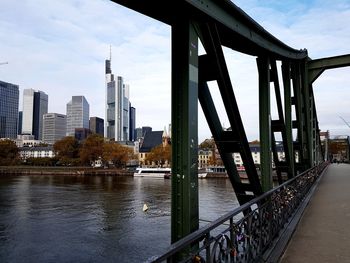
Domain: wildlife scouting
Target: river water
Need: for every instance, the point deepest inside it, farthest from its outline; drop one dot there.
(94, 218)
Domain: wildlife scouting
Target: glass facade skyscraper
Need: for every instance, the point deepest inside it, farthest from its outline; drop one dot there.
(54, 127)
(97, 125)
(35, 104)
(9, 97)
(78, 113)
(132, 124)
(117, 106)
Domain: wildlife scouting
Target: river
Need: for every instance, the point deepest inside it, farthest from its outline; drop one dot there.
(94, 218)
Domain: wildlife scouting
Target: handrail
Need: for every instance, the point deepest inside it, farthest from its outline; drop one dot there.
(268, 213)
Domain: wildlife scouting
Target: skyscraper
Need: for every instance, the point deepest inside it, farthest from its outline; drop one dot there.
(97, 125)
(54, 127)
(77, 114)
(35, 104)
(9, 96)
(132, 124)
(117, 106)
(19, 125)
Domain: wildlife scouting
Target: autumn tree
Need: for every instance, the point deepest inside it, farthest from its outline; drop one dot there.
(9, 153)
(214, 160)
(159, 155)
(336, 147)
(67, 150)
(117, 154)
(91, 149)
(207, 144)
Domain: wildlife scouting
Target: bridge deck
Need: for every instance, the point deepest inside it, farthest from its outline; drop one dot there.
(323, 233)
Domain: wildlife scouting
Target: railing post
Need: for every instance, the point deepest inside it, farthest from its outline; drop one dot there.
(265, 122)
(184, 114)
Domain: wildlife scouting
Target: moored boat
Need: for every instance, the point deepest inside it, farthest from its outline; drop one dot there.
(153, 172)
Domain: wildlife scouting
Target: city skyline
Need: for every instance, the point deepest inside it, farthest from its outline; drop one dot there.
(60, 48)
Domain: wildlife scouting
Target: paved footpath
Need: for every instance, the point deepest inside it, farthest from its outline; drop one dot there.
(323, 233)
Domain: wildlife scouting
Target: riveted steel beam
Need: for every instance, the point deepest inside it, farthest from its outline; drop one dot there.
(307, 111)
(237, 30)
(298, 101)
(211, 41)
(282, 127)
(265, 122)
(317, 66)
(286, 75)
(184, 115)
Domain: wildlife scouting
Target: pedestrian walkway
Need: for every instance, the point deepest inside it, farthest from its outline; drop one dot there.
(323, 233)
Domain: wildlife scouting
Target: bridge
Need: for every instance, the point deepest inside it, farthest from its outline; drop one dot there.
(248, 233)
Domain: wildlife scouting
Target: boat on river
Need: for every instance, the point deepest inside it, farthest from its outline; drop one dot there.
(161, 173)
(153, 172)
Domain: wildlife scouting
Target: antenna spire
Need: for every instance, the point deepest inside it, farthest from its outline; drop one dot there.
(110, 52)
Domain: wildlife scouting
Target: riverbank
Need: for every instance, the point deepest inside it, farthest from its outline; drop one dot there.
(89, 171)
(69, 171)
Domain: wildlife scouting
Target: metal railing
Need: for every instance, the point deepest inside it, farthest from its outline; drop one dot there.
(244, 234)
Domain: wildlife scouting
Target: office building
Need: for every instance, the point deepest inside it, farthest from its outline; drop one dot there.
(132, 124)
(9, 97)
(35, 104)
(117, 106)
(146, 129)
(97, 125)
(54, 127)
(77, 114)
(141, 132)
(81, 133)
(19, 124)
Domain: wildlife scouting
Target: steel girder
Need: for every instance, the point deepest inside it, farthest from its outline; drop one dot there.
(221, 23)
(231, 21)
(184, 110)
(212, 66)
(317, 66)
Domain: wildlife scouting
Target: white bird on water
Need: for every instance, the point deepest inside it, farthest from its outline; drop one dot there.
(145, 207)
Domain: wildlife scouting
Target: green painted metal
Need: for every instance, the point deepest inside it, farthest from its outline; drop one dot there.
(265, 122)
(213, 67)
(317, 66)
(299, 143)
(307, 120)
(286, 75)
(221, 23)
(232, 23)
(280, 126)
(184, 107)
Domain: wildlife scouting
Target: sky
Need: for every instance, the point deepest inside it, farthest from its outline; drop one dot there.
(60, 47)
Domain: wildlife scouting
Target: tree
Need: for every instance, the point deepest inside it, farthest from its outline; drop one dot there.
(117, 154)
(92, 149)
(67, 150)
(9, 153)
(335, 147)
(207, 144)
(214, 160)
(159, 155)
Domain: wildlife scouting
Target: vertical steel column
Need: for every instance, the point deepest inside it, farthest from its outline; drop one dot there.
(286, 75)
(298, 102)
(184, 115)
(308, 114)
(265, 122)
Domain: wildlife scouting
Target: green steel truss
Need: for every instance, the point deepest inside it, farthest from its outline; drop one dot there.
(220, 23)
